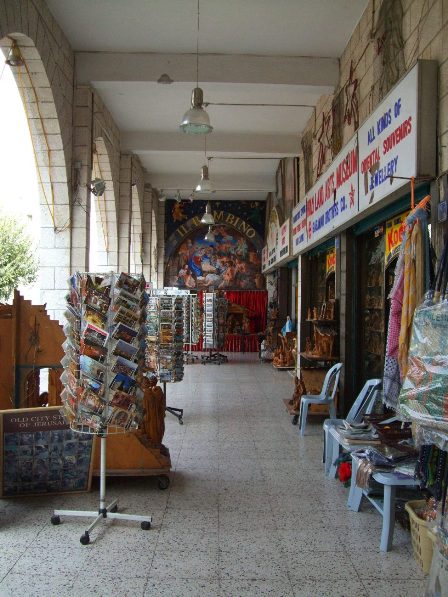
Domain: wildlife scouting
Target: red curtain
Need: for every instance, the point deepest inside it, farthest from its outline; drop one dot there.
(256, 302)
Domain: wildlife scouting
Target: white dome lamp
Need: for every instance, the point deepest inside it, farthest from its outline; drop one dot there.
(210, 236)
(196, 120)
(208, 218)
(204, 185)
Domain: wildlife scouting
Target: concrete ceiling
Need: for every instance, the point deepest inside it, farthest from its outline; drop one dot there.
(251, 52)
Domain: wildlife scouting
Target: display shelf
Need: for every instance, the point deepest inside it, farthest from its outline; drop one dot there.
(165, 335)
(327, 321)
(312, 357)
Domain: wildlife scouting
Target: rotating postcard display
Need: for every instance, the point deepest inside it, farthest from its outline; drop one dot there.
(101, 367)
(215, 313)
(104, 315)
(165, 336)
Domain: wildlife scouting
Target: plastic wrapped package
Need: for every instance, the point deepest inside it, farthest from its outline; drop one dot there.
(424, 393)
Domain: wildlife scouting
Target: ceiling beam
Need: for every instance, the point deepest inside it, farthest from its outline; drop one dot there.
(213, 68)
(224, 181)
(275, 145)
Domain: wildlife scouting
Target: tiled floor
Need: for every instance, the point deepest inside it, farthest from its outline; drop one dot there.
(248, 512)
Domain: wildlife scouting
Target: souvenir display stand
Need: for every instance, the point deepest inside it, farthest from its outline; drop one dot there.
(192, 326)
(214, 322)
(165, 339)
(101, 371)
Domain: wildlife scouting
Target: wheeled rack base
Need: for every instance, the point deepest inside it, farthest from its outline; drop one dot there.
(110, 511)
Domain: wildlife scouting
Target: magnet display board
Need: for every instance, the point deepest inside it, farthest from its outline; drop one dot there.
(40, 454)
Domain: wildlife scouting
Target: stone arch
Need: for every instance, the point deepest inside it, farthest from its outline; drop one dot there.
(48, 103)
(105, 207)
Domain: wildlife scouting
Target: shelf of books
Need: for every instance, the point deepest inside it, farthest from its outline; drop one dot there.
(101, 363)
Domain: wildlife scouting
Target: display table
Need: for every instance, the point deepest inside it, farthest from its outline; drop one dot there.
(386, 506)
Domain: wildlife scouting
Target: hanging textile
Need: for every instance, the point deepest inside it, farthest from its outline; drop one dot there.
(412, 274)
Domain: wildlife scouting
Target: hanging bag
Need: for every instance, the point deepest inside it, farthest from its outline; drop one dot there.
(424, 393)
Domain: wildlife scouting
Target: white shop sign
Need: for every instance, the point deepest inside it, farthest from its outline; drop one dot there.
(388, 143)
(264, 259)
(283, 243)
(333, 200)
(299, 234)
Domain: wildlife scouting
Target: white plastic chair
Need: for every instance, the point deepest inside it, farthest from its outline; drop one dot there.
(327, 395)
(363, 405)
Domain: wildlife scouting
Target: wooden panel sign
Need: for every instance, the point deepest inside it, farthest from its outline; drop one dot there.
(40, 454)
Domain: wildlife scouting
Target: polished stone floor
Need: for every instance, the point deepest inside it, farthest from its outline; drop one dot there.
(248, 512)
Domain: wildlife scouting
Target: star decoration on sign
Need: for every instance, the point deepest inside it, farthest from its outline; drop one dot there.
(324, 142)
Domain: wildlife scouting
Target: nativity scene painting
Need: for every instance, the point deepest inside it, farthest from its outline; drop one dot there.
(230, 262)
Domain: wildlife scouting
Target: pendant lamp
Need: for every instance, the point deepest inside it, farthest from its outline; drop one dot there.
(204, 185)
(195, 120)
(210, 236)
(208, 218)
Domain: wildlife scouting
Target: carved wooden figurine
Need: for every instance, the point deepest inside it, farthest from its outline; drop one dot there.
(152, 429)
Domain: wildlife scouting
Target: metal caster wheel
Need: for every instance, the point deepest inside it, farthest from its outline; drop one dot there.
(181, 421)
(295, 419)
(55, 520)
(164, 482)
(85, 539)
(145, 525)
(114, 509)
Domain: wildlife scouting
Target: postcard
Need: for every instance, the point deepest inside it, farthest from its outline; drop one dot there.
(94, 317)
(123, 401)
(124, 383)
(92, 368)
(130, 284)
(120, 418)
(95, 335)
(99, 353)
(125, 366)
(92, 385)
(127, 317)
(124, 332)
(125, 350)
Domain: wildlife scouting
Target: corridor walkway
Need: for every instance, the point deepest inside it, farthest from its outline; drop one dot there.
(248, 512)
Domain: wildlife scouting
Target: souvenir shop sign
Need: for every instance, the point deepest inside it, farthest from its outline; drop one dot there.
(40, 454)
(394, 235)
(330, 266)
(333, 200)
(395, 141)
(283, 242)
(299, 234)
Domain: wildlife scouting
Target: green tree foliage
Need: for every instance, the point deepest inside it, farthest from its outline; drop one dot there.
(18, 264)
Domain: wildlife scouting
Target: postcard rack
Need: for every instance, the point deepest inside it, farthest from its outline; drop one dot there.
(215, 311)
(101, 371)
(192, 326)
(165, 339)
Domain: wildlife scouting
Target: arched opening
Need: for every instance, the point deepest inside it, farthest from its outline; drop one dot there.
(19, 193)
(98, 229)
(103, 238)
(136, 241)
(53, 228)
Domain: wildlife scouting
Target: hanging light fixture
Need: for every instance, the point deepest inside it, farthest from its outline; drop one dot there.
(204, 185)
(15, 57)
(208, 218)
(210, 236)
(195, 120)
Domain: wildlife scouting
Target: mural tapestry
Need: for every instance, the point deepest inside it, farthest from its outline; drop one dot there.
(231, 262)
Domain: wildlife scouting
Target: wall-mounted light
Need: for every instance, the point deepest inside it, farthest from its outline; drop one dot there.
(14, 57)
(98, 187)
